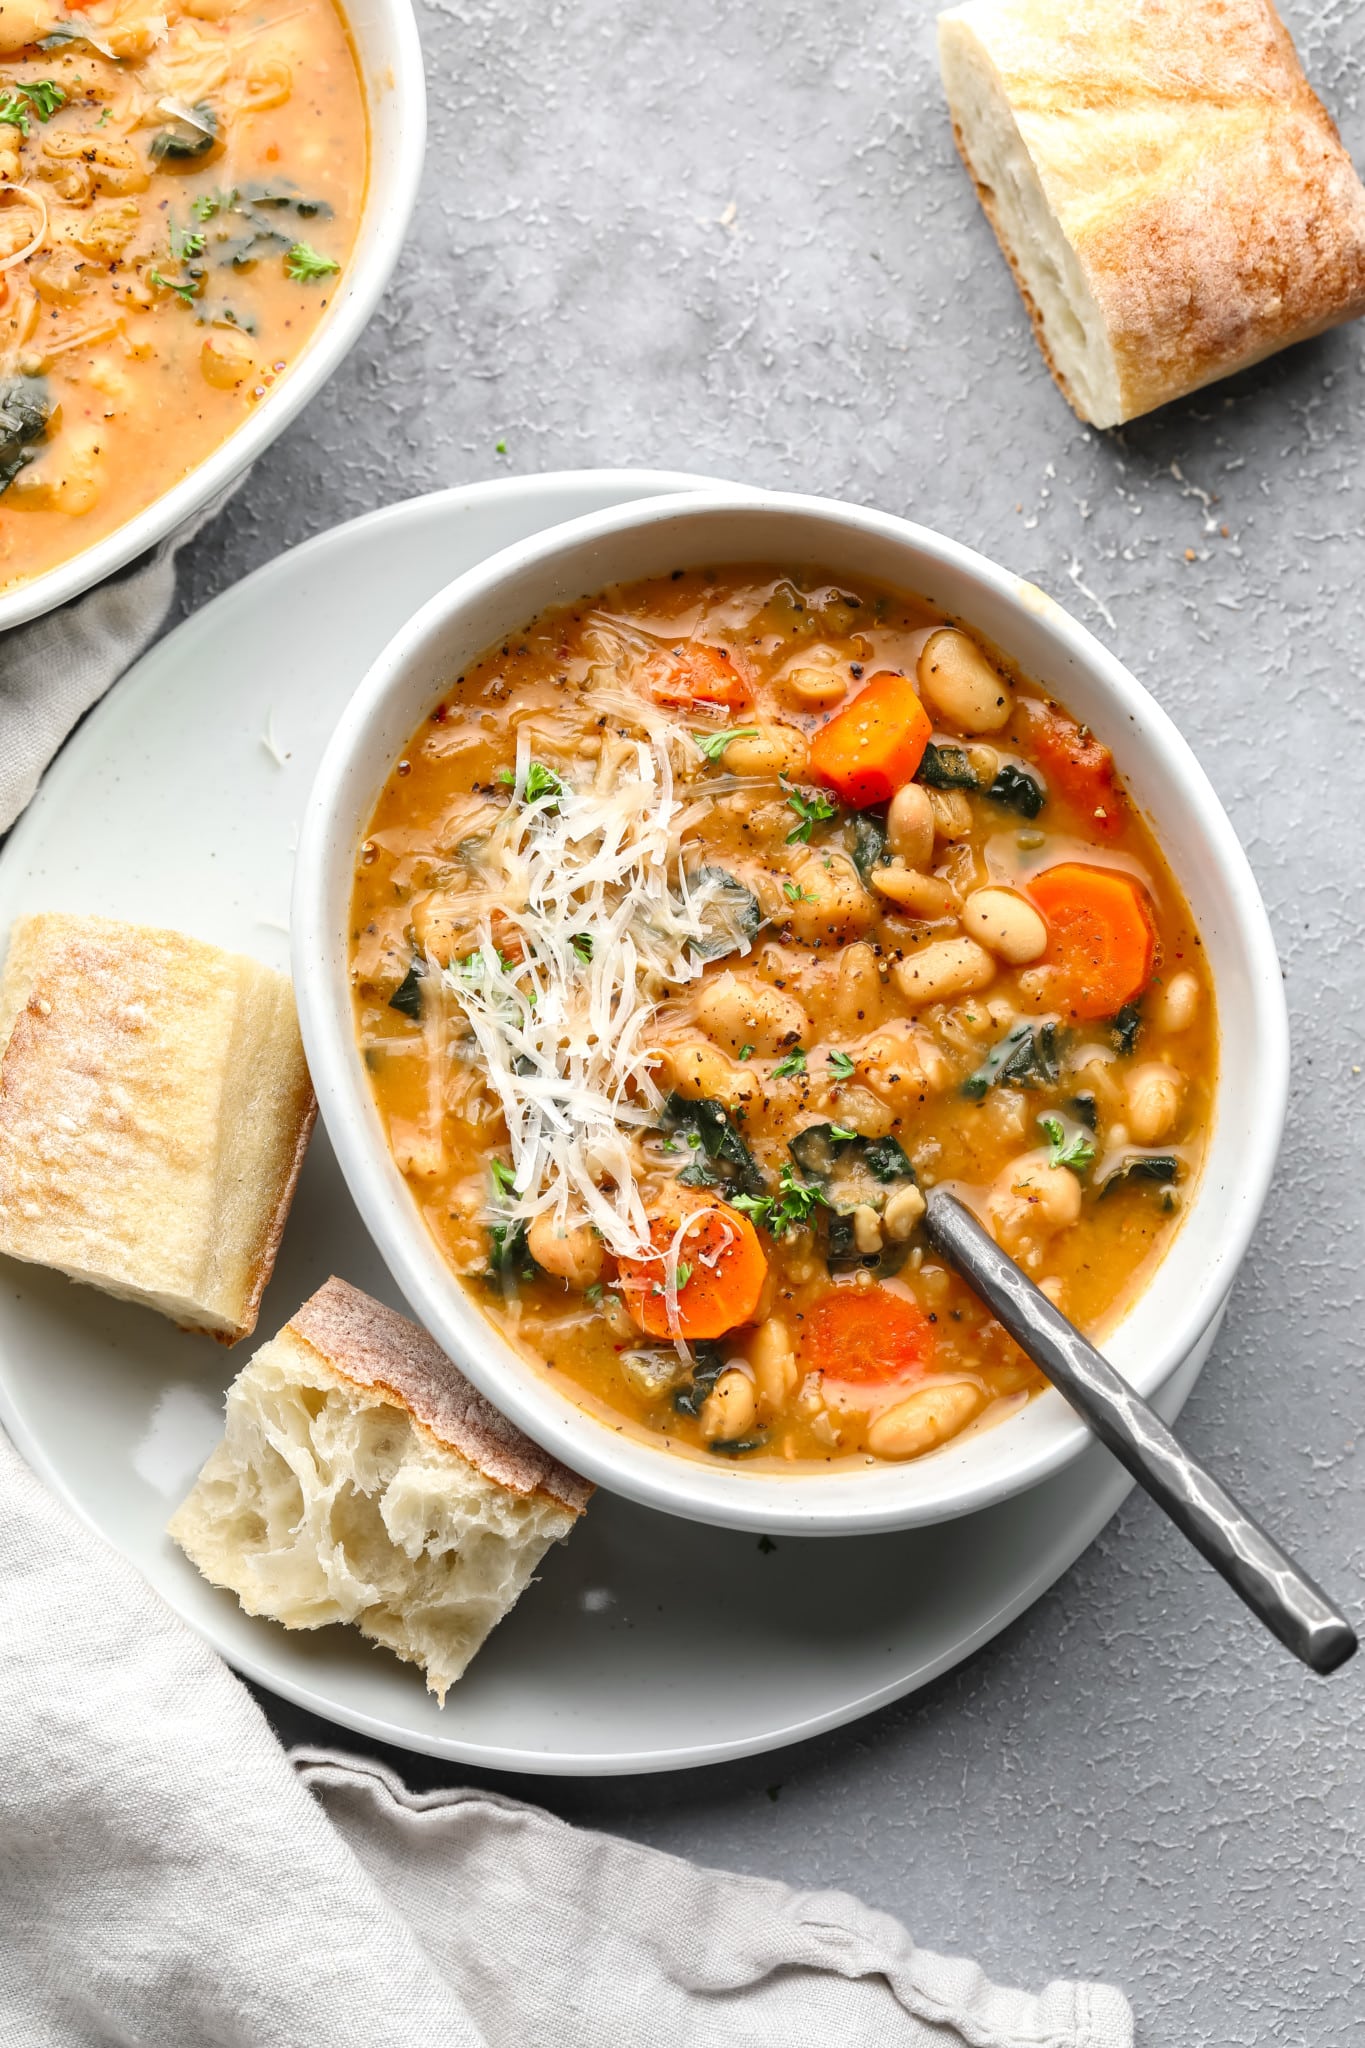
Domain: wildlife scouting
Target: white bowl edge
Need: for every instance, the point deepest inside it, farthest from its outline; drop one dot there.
(1191, 1284)
(390, 56)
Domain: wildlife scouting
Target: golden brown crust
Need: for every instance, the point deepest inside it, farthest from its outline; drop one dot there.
(1200, 182)
(374, 1346)
(305, 1115)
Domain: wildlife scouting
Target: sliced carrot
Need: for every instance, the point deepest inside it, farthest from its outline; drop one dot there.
(875, 744)
(721, 1271)
(868, 1335)
(1101, 939)
(701, 675)
(1077, 767)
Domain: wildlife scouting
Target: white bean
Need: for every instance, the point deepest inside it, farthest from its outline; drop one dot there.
(867, 1229)
(768, 750)
(1179, 1002)
(812, 687)
(924, 1420)
(1152, 1100)
(902, 1212)
(772, 1357)
(952, 813)
(728, 1410)
(923, 896)
(1006, 923)
(572, 1252)
(736, 1012)
(962, 685)
(910, 825)
(949, 967)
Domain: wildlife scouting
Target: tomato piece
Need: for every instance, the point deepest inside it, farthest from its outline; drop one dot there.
(875, 744)
(1078, 767)
(1101, 938)
(868, 1335)
(701, 675)
(721, 1269)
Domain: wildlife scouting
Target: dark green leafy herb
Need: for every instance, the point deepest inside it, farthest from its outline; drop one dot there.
(734, 910)
(946, 768)
(186, 138)
(1028, 1053)
(869, 841)
(841, 1066)
(736, 1446)
(746, 1052)
(186, 243)
(720, 1142)
(504, 1177)
(509, 1257)
(708, 1363)
(582, 945)
(1017, 790)
(1125, 1028)
(811, 808)
(407, 997)
(1160, 1168)
(282, 196)
(1072, 1148)
(794, 1063)
(824, 1150)
(305, 265)
(24, 413)
(793, 1205)
(794, 893)
(186, 289)
(712, 745)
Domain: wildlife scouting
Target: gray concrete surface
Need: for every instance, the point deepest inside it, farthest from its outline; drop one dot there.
(736, 239)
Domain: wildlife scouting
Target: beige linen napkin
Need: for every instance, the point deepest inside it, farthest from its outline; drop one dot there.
(167, 1879)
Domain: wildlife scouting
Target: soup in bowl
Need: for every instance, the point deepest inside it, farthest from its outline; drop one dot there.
(699, 926)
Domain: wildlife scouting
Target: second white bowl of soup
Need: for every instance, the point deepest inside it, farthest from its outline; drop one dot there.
(202, 204)
(688, 889)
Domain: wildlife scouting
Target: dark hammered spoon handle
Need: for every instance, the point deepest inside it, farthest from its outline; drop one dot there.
(1273, 1587)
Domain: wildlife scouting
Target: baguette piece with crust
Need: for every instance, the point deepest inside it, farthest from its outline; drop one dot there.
(1171, 195)
(362, 1479)
(155, 1108)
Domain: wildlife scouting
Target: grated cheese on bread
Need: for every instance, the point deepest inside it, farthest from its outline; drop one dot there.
(1171, 195)
(362, 1479)
(155, 1108)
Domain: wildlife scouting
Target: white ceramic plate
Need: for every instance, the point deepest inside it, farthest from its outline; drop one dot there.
(648, 1643)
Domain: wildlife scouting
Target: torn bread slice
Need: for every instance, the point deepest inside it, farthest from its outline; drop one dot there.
(362, 1479)
(155, 1108)
(1171, 195)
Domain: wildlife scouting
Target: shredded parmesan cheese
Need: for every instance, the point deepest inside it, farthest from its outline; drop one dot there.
(585, 920)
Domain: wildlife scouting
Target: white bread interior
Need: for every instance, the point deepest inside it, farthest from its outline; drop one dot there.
(1172, 197)
(362, 1479)
(155, 1108)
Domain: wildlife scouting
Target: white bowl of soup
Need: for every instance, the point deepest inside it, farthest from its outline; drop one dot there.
(687, 889)
(201, 203)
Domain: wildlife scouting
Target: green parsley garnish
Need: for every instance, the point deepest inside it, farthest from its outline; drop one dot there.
(791, 1206)
(594, 1293)
(1077, 1151)
(794, 893)
(840, 1134)
(541, 781)
(303, 264)
(184, 292)
(684, 1275)
(841, 1066)
(186, 243)
(711, 745)
(811, 809)
(582, 945)
(794, 1063)
(41, 98)
(504, 1177)
(746, 1052)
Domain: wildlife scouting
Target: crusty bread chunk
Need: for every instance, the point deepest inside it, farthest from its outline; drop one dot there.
(1172, 197)
(362, 1479)
(155, 1108)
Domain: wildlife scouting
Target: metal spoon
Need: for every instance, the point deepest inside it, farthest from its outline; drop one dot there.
(1273, 1587)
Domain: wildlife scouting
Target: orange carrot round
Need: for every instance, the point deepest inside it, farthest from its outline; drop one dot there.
(721, 1271)
(701, 675)
(1078, 768)
(873, 746)
(868, 1335)
(1101, 940)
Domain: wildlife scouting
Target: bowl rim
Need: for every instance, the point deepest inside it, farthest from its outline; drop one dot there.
(398, 75)
(738, 1497)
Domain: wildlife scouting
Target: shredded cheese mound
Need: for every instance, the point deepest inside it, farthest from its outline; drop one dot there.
(586, 919)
